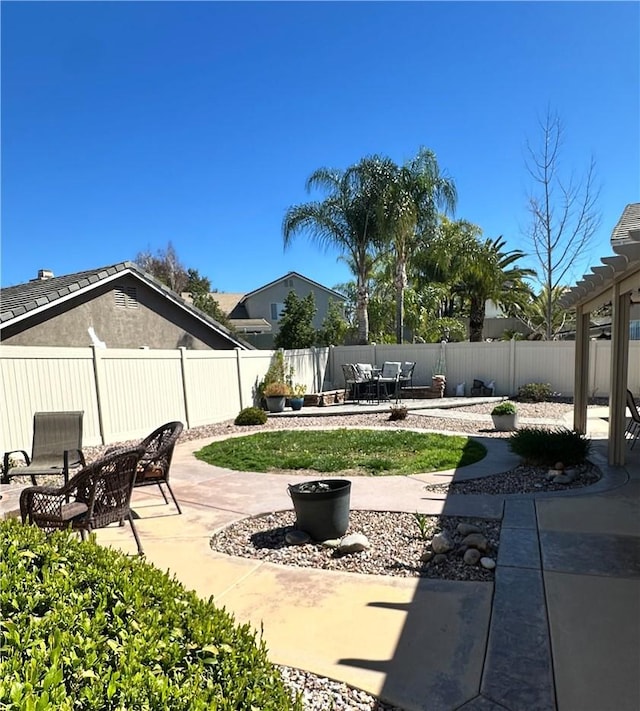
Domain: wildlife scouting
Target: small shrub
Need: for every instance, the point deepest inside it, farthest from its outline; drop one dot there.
(277, 390)
(505, 408)
(298, 390)
(535, 392)
(86, 627)
(251, 416)
(546, 447)
(398, 412)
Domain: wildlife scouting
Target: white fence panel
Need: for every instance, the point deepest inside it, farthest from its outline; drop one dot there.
(540, 362)
(212, 390)
(45, 379)
(484, 361)
(138, 390)
(253, 367)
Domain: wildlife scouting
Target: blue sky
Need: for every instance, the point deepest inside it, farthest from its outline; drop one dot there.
(128, 125)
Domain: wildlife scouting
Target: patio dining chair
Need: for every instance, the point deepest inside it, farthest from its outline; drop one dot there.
(406, 376)
(154, 466)
(633, 425)
(350, 381)
(98, 495)
(56, 447)
(389, 379)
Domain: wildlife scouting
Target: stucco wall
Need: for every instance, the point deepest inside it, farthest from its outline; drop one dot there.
(155, 322)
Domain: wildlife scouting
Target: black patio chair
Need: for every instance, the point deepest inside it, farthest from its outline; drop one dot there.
(633, 425)
(154, 466)
(98, 495)
(405, 379)
(56, 447)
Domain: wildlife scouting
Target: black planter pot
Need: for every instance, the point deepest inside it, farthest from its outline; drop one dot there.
(322, 507)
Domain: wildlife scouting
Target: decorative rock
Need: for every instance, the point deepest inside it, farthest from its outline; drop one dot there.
(330, 543)
(551, 474)
(464, 529)
(488, 563)
(562, 479)
(476, 540)
(440, 558)
(354, 543)
(297, 538)
(461, 550)
(559, 466)
(426, 556)
(441, 543)
(471, 557)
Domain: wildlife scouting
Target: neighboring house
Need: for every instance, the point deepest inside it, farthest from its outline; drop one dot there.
(119, 306)
(257, 314)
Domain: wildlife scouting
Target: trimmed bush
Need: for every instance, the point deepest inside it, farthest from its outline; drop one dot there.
(398, 412)
(251, 416)
(87, 628)
(535, 392)
(546, 447)
(504, 408)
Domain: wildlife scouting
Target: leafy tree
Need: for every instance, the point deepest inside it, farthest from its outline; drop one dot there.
(346, 219)
(199, 287)
(296, 324)
(563, 213)
(535, 315)
(414, 194)
(165, 266)
(334, 327)
(452, 328)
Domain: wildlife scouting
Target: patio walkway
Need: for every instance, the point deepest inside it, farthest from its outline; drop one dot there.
(558, 629)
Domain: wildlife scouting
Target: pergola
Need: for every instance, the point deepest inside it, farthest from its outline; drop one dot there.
(617, 282)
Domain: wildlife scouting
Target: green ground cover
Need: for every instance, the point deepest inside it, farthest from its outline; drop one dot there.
(367, 452)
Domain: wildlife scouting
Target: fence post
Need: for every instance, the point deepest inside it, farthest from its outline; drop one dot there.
(512, 367)
(239, 372)
(98, 374)
(185, 393)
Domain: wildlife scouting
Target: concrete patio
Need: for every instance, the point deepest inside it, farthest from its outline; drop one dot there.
(558, 629)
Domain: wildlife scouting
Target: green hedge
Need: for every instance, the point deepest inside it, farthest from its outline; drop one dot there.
(549, 446)
(85, 627)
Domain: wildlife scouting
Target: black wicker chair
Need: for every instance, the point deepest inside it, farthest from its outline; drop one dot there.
(96, 496)
(155, 464)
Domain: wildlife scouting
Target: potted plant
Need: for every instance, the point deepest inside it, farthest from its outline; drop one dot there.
(505, 416)
(276, 395)
(296, 400)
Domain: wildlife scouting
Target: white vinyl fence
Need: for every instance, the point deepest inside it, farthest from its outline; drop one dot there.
(127, 393)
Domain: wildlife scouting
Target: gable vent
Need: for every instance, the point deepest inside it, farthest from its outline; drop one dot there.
(288, 282)
(126, 298)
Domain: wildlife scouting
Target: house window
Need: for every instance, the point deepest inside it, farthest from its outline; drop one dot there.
(126, 297)
(276, 311)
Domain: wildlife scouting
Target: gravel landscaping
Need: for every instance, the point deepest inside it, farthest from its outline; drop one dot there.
(398, 546)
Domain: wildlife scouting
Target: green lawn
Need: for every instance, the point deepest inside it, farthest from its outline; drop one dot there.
(368, 452)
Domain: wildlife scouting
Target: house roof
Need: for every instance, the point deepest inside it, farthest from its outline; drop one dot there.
(624, 263)
(24, 300)
(226, 301)
(288, 275)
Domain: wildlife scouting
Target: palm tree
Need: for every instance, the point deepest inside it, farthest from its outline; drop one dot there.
(490, 275)
(347, 219)
(414, 195)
